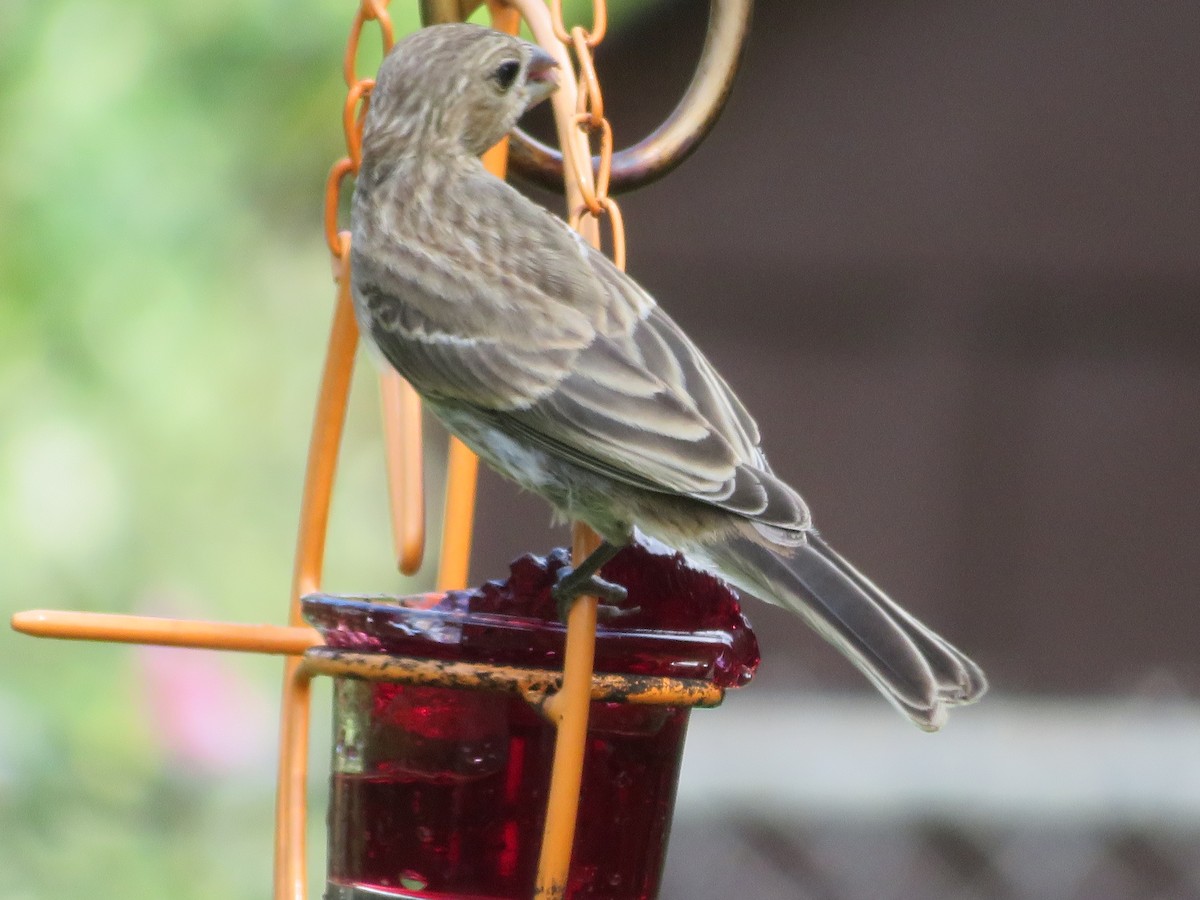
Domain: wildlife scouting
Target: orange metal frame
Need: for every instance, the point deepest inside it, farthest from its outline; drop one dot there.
(564, 700)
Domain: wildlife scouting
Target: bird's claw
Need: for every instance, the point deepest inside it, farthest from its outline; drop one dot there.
(571, 585)
(607, 612)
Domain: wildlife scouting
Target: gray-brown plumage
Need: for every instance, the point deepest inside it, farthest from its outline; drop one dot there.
(564, 375)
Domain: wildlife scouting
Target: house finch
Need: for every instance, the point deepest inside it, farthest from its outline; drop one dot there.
(566, 377)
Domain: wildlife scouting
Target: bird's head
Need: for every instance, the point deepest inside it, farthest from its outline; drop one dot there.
(455, 87)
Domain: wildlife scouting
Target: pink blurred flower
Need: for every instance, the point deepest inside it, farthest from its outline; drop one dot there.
(207, 716)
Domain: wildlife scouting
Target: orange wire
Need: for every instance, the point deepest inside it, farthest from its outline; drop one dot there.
(291, 813)
(328, 423)
(458, 519)
(569, 709)
(84, 626)
(402, 439)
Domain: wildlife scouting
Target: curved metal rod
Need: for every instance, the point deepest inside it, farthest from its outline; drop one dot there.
(687, 125)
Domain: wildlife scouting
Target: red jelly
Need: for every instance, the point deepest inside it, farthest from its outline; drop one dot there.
(441, 793)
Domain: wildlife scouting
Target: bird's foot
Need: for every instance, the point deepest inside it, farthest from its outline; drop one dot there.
(572, 584)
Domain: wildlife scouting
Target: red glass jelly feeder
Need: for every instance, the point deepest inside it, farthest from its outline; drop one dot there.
(441, 792)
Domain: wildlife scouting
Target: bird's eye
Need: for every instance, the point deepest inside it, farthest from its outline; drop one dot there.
(506, 73)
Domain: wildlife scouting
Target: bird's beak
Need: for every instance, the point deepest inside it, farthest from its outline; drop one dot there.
(541, 76)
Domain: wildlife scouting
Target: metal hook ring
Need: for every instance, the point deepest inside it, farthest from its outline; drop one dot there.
(687, 125)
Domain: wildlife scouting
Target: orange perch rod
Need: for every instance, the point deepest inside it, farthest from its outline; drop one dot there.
(286, 640)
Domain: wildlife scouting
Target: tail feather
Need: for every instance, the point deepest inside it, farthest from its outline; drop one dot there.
(949, 665)
(920, 672)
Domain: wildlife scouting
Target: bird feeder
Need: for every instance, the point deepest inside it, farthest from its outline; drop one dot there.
(438, 789)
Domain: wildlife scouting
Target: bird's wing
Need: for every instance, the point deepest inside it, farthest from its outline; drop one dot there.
(643, 405)
(472, 314)
(535, 330)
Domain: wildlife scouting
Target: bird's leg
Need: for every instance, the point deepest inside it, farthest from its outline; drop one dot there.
(583, 580)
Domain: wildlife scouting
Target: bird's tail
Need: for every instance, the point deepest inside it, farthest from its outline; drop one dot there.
(915, 669)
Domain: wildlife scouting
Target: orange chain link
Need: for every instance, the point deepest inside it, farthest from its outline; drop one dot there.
(353, 111)
(599, 23)
(590, 120)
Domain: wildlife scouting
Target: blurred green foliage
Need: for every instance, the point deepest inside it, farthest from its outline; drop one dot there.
(164, 298)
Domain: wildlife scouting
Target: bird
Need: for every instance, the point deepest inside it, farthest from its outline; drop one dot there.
(563, 374)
